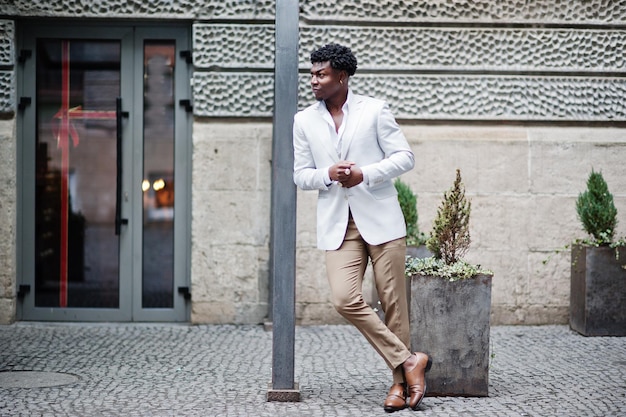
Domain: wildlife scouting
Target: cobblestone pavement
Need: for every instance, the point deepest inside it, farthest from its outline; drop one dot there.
(224, 370)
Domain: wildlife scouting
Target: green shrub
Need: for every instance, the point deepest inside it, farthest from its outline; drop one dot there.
(408, 204)
(596, 209)
(437, 267)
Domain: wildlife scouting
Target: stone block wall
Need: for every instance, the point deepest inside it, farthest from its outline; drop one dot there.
(8, 188)
(524, 97)
(523, 182)
(8, 220)
(230, 222)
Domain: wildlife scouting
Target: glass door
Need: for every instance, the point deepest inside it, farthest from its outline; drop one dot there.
(100, 137)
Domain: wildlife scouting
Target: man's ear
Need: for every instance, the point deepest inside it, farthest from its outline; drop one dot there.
(343, 76)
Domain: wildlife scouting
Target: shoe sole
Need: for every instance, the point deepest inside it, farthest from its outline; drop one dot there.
(390, 409)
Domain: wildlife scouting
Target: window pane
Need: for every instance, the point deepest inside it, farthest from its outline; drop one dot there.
(77, 251)
(158, 178)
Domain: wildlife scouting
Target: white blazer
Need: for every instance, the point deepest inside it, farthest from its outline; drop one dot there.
(373, 140)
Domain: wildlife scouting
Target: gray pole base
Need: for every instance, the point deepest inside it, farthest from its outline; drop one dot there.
(284, 395)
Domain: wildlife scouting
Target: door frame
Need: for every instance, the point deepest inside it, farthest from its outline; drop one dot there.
(131, 37)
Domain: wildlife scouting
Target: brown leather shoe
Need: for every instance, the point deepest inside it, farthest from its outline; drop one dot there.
(396, 399)
(416, 379)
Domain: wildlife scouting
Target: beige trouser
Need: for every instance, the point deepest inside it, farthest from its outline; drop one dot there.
(346, 267)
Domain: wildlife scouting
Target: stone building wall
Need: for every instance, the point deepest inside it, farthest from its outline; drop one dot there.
(524, 97)
(8, 219)
(8, 188)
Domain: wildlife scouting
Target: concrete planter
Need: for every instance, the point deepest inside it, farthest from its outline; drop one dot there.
(450, 322)
(598, 291)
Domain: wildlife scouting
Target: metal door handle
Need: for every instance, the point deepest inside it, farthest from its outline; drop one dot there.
(118, 196)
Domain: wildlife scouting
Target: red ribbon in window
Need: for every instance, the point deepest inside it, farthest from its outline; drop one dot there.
(66, 130)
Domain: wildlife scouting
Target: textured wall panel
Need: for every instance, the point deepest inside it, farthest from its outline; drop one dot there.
(488, 11)
(200, 9)
(499, 97)
(433, 97)
(233, 46)
(513, 11)
(233, 94)
(7, 34)
(480, 71)
(410, 49)
(473, 49)
(7, 92)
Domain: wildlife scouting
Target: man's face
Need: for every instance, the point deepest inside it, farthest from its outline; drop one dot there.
(325, 80)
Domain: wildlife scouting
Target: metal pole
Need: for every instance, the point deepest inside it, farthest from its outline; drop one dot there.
(283, 209)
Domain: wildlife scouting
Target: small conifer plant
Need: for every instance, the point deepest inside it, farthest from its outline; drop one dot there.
(449, 240)
(596, 209)
(450, 237)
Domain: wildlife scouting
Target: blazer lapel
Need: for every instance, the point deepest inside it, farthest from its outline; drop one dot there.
(355, 107)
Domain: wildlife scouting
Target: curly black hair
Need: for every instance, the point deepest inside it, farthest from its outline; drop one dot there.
(340, 57)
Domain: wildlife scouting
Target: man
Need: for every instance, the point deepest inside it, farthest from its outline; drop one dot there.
(349, 147)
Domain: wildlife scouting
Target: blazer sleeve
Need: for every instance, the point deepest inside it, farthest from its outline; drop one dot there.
(306, 174)
(398, 155)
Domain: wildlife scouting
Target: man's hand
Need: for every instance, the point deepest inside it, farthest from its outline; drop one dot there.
(346, 173)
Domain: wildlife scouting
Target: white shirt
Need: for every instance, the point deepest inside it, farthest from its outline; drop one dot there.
(337, 134)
